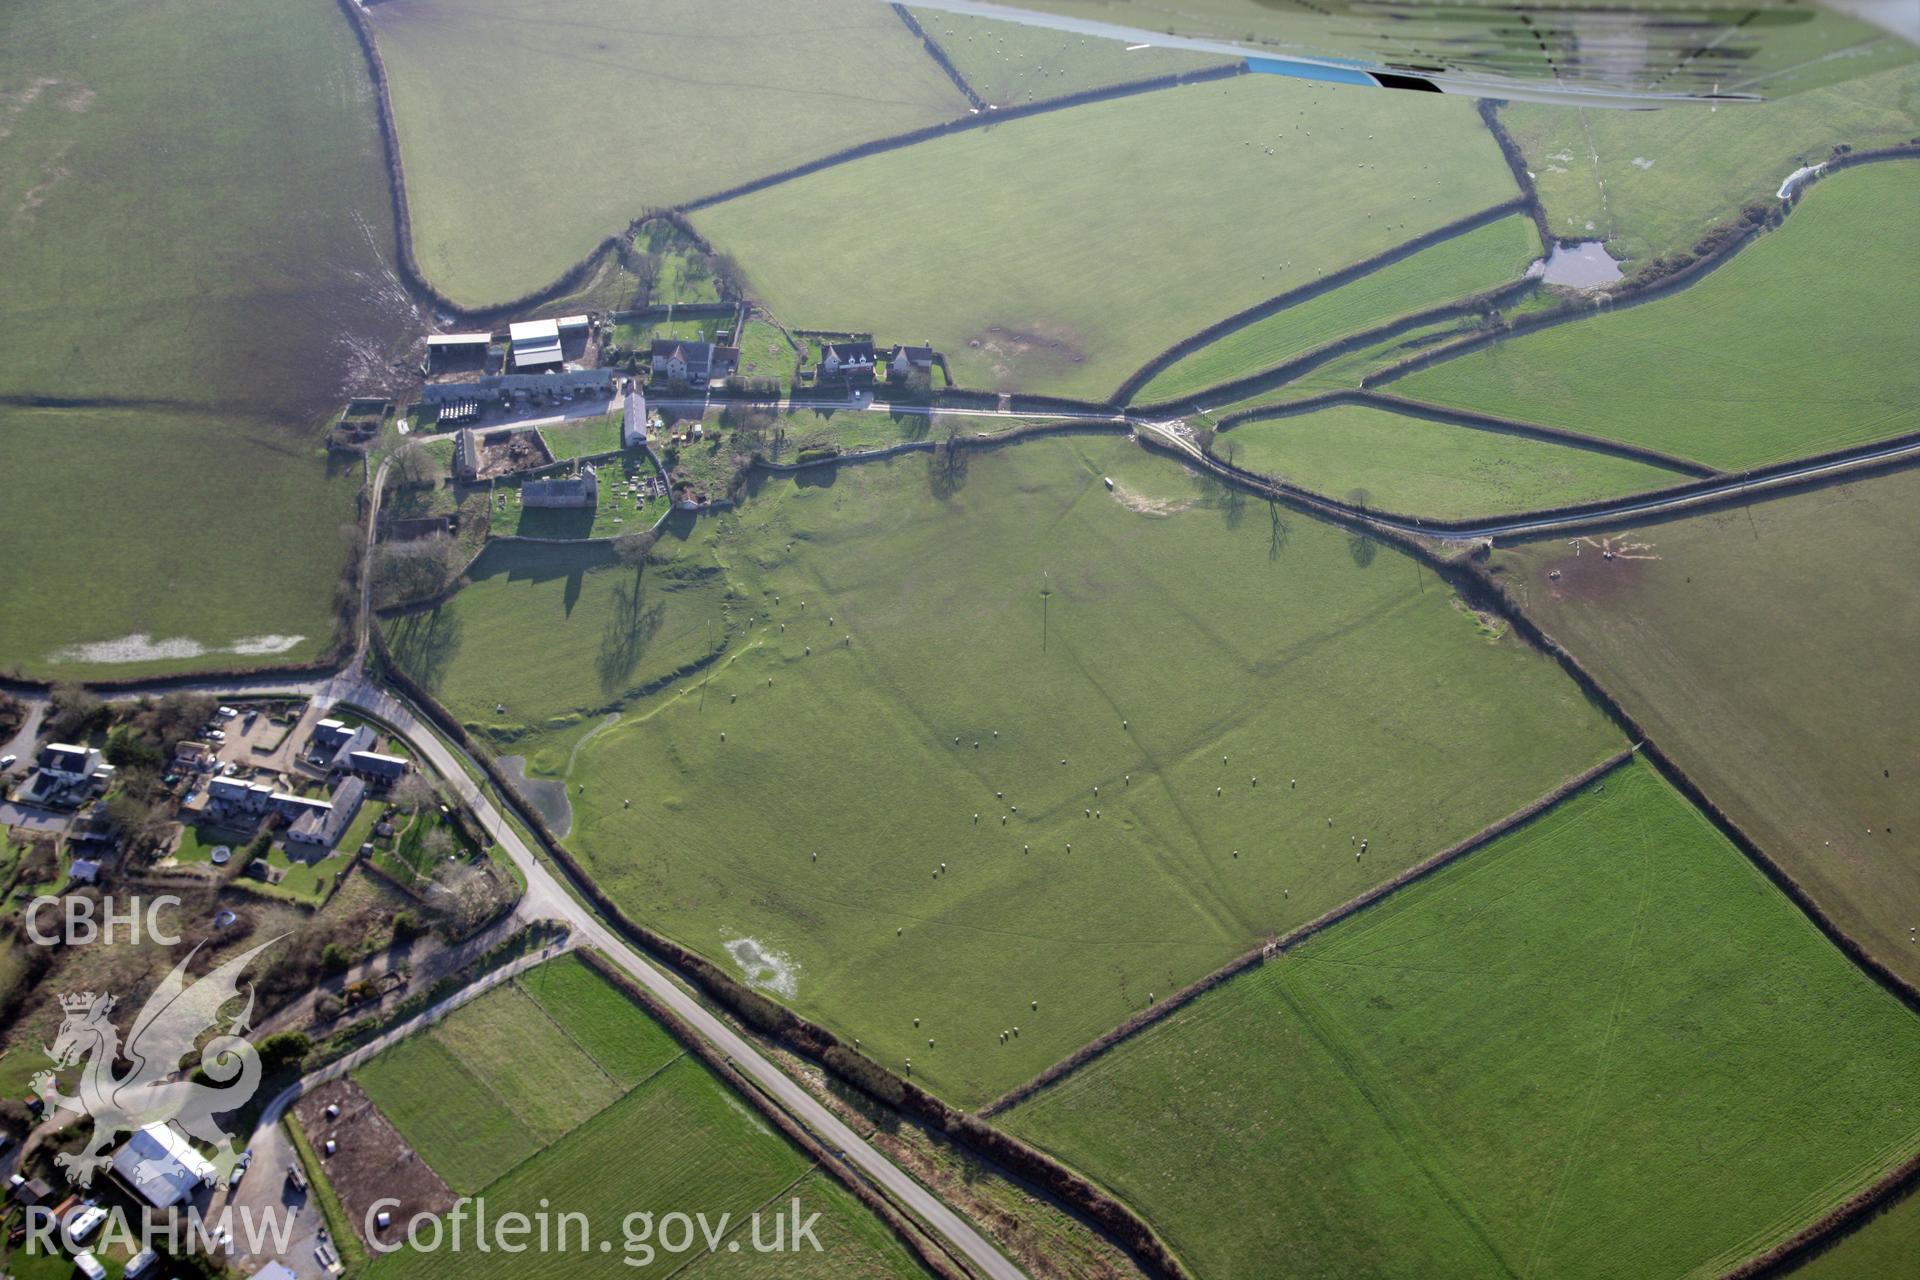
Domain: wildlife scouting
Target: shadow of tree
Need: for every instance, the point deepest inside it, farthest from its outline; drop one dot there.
(425, 643)
(947, 467)
(629, 630)
(1278, 530)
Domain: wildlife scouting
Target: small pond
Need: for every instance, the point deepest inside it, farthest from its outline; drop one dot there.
(1578, 266)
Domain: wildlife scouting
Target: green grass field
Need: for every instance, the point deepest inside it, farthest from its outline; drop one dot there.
(514, 1070)
(1183, 626)
(1482, 259)
(1009, 64)
(1654, 182)
(226, 538)
(766, 353)
(1415, 467)
(1788, 703)
(556, 1092)
(586, 436)
(1060, 252)
(1795, 346)
(559, 633)
(200, 304)
(527, 140)
(1604, 1045)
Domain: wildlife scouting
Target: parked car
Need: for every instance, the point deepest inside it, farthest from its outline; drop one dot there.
(7, 762)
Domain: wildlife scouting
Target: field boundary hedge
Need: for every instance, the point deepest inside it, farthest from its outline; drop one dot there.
(1273, 377)
(918, 1242)
(1851, 1214)
(1473, 420)
(1605, 512)
(1104, 1211)
(939, 55)
(1663, 276)
(1489, 109)
(1124, 393)
(1294, 937)
(960, 124)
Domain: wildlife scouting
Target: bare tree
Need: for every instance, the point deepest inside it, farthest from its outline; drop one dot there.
(415, 570)
(413, 465)
(414, 792)
(631, 549)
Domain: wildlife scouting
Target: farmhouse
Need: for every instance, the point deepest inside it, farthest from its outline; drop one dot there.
(160, 1166)
(321, 824)
(332, 742)
(536, 344)
(846, 361)
(693, 363)
(582, 490)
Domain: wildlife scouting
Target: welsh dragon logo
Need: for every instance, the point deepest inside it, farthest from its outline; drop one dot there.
(151, 1092)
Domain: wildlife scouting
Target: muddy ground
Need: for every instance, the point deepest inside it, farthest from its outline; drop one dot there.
(371, 1161)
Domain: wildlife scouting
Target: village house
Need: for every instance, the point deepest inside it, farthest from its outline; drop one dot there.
(846, 362)
(320, 824)
(379, 769)
(193, 757)
(66, 765)
(332, 741)
(582, 490)
(695, 364)
(65, 775)
(904, 361)
(234, 799)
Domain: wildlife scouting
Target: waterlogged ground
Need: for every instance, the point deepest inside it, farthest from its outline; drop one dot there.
(195, 236)
(997, 737)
